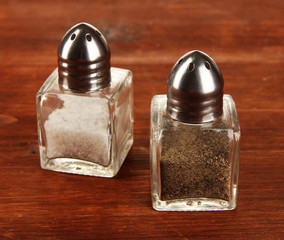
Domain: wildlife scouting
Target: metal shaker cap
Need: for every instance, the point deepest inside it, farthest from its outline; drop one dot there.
(83, 59)
(195, 89)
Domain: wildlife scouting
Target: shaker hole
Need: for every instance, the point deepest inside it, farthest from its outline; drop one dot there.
(98, 33)
(88, 37)
(191, 66)
(179, 61)
(73, 36)
(207, 65)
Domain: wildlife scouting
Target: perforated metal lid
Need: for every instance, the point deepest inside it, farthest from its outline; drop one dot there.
(83, 59)
(195, 89)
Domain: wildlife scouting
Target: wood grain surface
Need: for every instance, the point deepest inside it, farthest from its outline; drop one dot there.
(246, 39)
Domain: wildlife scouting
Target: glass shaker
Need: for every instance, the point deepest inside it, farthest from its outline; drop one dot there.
(195, 137)
(85, 108)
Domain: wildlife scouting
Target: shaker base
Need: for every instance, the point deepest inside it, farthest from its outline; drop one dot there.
(192, 204)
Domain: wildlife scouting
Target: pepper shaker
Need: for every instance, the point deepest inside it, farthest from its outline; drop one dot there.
(195, 137)
(85, 108)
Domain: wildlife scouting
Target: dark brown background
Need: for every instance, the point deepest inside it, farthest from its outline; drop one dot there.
(246, 39)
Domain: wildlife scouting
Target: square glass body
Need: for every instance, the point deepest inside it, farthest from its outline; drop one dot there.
(194, 167)
(89, 133)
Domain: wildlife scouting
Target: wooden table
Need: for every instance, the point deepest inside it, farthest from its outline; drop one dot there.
(246, 39)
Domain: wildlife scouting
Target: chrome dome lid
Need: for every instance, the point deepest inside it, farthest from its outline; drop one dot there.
(83, 59)
(195, 89)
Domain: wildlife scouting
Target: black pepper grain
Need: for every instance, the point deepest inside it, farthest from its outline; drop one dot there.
(195, 161)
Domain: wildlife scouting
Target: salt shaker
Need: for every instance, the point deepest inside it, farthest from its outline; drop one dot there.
(85, 108)
(195, 137)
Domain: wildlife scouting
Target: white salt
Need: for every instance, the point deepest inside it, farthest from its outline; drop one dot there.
(79, 130)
